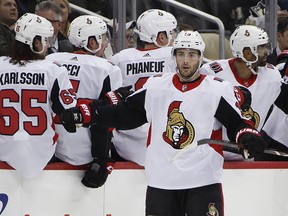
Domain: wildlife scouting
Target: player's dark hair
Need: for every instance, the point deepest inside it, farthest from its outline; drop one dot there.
(141, 44)
(175, 50)
(22, 53)
(282, 25)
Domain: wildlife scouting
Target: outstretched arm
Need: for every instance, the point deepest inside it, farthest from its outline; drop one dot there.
(125, 115)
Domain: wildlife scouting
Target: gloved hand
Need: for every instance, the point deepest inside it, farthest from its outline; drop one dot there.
(76, 117)
(97, 173)
(252, 141)
(119, 94)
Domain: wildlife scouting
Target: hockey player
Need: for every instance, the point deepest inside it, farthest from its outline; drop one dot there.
(182, 107)
(92, 77)
(275, 128)
(32, 90)
(156, 30)
(250, 47)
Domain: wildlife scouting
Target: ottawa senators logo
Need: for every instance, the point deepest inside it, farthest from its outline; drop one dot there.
(244, 99)
(212, 211)
(179, 132)
(253, 116)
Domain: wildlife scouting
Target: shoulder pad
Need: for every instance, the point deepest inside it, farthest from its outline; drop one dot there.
(216, 67)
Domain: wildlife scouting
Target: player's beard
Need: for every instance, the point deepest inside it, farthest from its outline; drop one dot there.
(188, 73)
(262, 61)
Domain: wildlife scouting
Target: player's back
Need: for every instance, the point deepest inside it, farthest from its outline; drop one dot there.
(138, 65)
(91, 78)
(89, 74)
(30, 95)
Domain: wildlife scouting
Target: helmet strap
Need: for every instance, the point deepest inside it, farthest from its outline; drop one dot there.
(38, 52)
(93, 51)
(249, 63)
(169, 40)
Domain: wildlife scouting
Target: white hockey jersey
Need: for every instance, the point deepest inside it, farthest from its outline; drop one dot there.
(179, 115)
(276, 126)
(277, 123)
(136, 67)
(91, 78)
(31, 94)
(264, 87)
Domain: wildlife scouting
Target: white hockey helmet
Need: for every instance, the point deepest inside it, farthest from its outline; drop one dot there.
(153, 21)
(247, 36)
(85, 26)
(29, 26)
(189, 40)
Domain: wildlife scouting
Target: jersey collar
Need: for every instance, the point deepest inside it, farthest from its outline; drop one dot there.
(245, 82)
(183, 87)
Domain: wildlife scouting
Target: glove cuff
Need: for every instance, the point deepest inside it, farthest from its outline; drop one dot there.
(245, 131)
(112, 97)
(108, 162)
(86, 113)
(110, 166)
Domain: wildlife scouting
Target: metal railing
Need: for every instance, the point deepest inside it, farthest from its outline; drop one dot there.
(119, 14)
(88, 12)
(205, 16)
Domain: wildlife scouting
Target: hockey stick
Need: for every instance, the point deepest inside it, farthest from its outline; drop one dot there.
(232, 147)
(238, 146)
(227, 145)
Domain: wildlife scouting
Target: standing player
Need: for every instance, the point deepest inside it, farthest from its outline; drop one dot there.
(250, 47)
(182, 107)
(92, 77)
(275, 128)
(156, 30)
(32, 90)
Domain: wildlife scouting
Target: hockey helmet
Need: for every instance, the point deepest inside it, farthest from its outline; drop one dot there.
(189, 40)
(247, 36)
(29, 26)
(85, 26)
(153, 21)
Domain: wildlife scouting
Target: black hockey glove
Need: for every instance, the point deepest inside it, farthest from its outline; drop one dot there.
(252, 141)
(119, 94)
(97, 173)
(76, 117)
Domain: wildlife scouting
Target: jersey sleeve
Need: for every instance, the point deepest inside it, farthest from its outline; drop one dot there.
(62, 93)
(281, 101)
(115, 77)
(228, 114)
(126, 115)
